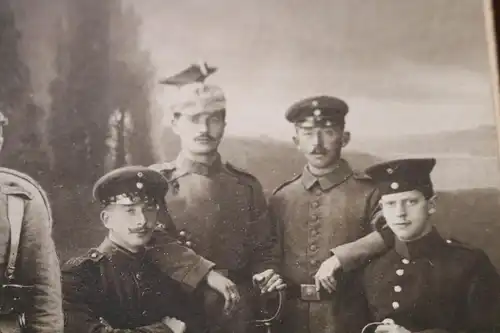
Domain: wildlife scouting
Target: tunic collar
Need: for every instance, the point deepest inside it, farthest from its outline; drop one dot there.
(186, 165)
(422, 247)
(326, 182)
(119, 255)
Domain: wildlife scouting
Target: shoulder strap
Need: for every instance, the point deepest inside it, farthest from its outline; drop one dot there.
(239, 172)
(288, 182)
(15, 213)
(31, 188)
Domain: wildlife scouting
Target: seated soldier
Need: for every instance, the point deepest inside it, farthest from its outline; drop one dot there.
(115, 287)
(425, 283)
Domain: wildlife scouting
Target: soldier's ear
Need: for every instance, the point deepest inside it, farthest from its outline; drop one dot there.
(104, 217)
(346, 138)
(295, 140)
(173, 123)
(431, 204)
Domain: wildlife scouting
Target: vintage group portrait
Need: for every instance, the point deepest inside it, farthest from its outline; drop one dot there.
(249, 166)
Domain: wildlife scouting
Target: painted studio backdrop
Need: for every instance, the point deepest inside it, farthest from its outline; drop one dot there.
(79, 82)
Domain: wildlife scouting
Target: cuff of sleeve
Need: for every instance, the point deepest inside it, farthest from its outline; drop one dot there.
(346, 259)
(355, 254)
(264, 267)
(198, 273)
(387, 236)
(155, 328)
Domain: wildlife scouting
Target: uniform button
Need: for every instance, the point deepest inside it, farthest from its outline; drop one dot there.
(313, 247)
(138, 276)
(145, 313)
(318, 192)
(314, 217)
(189, 244)
(315, 204)
(395, 305)
(400, 272)
(182, 233)
(405, 261)
(448, 241)
(313, 262)
(314, 232)
(397, 289)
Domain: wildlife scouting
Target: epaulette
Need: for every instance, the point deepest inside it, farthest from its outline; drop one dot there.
(93, 255)
(277, 189)
(240, 172)
(166, 168)
(360, 175)
(75, 262)
(11, 189)
(456, 243)
(163, 166)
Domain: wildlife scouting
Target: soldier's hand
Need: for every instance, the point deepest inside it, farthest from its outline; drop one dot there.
(325, 276)
(226, 287)
(389, 326)
(174, 324)
(268, 281)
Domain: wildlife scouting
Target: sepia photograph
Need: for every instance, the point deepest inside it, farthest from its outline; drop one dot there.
(249, 166)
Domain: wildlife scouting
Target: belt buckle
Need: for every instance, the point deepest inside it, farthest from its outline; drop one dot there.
(308, 292)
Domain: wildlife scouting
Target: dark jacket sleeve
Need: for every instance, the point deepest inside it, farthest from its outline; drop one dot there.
(176, 261)
(82, 299)
(379, 238)
(262, 235)
(39, 266)
(483, 297)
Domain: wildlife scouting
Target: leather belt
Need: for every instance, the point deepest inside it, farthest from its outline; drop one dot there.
(307, 293)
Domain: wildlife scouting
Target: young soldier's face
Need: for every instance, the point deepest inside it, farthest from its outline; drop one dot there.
(200, 133)
(321, 145)
(407, 214)
(130, 226)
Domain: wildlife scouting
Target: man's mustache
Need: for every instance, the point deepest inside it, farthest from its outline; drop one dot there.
(319, 150)
(204, 137)
(139, 230)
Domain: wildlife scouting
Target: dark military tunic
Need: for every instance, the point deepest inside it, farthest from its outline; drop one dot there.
(224, 213)
(432, 284)
(113, 290)
(314, 216)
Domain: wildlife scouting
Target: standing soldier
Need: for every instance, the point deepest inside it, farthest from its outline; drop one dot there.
(319, 213)
(218, 207)
(29, 267)
(425, 283)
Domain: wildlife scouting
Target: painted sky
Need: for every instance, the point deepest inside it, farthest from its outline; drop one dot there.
(404, 66)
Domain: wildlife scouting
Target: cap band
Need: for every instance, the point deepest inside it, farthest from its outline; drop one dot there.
(320, 121)
(397, 186)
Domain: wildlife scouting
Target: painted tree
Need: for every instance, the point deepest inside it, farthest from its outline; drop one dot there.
(78, 122)
(131, 88)
(23, 135)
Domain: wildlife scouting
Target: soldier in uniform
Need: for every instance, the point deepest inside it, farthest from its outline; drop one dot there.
(116, 287)
(29, 267)
(324, 218)
(220, 209)
(426, 283)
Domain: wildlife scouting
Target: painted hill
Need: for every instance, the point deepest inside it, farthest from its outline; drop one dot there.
(480, 141)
